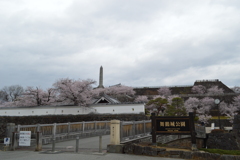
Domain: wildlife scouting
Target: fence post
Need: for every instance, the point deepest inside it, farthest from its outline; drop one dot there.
(144, 127)
(69, 129)
(105, 129)
(115, 132)
(39, 141)
(54, 136)
(133, 129)
(83, 127)
(10, 129)
(14, 141)
(18, 128)
(95, 126)
(38, 127)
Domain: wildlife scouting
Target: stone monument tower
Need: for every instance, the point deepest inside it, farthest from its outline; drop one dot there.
(101, 78)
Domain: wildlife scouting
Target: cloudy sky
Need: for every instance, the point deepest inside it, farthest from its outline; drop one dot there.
(138, 42)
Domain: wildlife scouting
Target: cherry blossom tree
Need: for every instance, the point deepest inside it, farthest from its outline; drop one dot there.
(36, 97)
(141, 99)
(157, 105)
(164, 91)
(215, 90)
(199, 89)
(119, 90)
(78, 92)
(201, 107)
(229, 110)
(236, 102)
(192, 104)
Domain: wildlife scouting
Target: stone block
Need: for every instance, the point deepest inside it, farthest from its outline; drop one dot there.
(138, 150)
(227, 157)
(128, 149)
(115, 148)
(163, 154)
(150, 151)
(186, 155)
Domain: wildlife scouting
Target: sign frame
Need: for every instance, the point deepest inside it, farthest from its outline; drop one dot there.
(174, 126)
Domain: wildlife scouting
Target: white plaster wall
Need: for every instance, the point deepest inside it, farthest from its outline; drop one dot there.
(73, 110)
(51, 110)
(119, 109)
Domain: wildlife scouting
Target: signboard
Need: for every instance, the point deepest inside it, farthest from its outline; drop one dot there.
(174, 125)
(24, 138)
(7, 141)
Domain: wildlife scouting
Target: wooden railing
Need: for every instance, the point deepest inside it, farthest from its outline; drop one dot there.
(134, 130)
(63, 131)
(65, 128)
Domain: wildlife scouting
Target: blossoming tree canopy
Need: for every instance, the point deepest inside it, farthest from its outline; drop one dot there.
(141, 99)
(215, 90)
(199, 89)
(35, 96)
(78, 92)
(164, 91)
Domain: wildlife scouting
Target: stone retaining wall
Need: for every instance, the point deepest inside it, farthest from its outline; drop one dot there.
(225, 141)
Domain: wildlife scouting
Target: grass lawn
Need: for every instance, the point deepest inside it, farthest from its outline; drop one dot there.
(221, 117)
(220, 151)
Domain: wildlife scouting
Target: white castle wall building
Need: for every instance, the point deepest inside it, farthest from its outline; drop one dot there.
(137, 108)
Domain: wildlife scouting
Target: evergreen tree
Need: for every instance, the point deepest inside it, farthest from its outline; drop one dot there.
(176, 108)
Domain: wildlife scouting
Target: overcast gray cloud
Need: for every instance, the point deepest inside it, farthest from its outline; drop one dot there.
(138, 42)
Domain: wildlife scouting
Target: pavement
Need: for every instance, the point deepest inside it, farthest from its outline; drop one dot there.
(88, 150)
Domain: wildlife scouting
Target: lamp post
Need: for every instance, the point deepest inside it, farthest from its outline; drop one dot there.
(217, 101)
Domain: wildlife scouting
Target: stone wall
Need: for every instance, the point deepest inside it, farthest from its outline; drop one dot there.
(185, 143)
(226, 141)
(28, 120)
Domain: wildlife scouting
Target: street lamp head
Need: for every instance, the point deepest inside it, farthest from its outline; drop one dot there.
(217, 101)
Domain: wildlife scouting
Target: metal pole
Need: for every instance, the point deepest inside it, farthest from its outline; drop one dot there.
(77, 144)
(219, 121)
(100, 144)
(53, 144)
